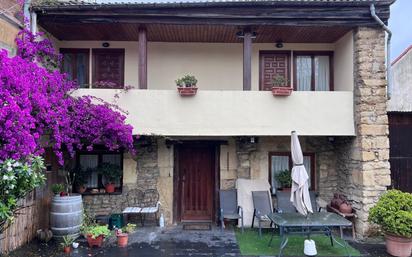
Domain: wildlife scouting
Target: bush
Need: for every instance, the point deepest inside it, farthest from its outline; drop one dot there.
(393, 212)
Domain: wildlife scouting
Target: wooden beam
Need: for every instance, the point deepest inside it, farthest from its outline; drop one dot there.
(142, 69)
(247, 60)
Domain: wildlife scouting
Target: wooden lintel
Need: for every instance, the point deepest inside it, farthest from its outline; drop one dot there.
(142, 55)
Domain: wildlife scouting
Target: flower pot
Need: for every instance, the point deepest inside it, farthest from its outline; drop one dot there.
(109, 187)
(285, 189)
(282, 91)
(187, 91)
(398, 246)
(122, 239)
(345, 208)
(98, 241)
(67, 249)
(81, 189)
(63, 194)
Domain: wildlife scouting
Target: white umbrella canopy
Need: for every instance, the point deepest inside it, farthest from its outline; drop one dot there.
(300, 179)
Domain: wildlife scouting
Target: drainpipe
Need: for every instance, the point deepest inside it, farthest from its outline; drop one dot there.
(388, 50)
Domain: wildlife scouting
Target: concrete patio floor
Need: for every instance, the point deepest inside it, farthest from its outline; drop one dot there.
(173, 242)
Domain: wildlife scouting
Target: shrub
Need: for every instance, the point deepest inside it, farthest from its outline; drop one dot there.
(393, 212)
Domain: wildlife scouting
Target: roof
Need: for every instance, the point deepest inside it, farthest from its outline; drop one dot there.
(401, 55)
(192, 3)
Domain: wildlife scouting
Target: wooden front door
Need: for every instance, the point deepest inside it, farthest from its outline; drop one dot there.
(271, 65)
(196, 182)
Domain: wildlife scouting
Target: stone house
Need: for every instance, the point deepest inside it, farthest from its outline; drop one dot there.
(332, 53)
(400, 121)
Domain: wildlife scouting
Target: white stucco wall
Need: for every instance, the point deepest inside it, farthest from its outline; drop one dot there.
(343, 63)
(232, 113)
(401, 99)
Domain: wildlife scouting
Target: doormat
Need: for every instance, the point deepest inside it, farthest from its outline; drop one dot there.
(197, 226)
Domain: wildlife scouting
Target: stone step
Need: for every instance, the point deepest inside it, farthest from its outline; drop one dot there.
(197, 225)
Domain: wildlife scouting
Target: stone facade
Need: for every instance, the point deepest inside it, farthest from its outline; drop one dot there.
(363, 166)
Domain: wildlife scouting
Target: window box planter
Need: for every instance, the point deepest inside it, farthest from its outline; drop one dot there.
(282, 91)
(187, 91)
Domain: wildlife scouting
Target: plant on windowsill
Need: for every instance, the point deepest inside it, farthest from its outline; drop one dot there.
(186, 86)
(111, 173)
(393, 212)
(80, 180)
(95, 234)
(284, 180)
(58, 189)
(123, 234)
(281, 86)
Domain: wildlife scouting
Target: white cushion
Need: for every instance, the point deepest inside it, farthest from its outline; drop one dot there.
(132, 210)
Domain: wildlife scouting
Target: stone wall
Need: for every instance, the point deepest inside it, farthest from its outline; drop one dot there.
(363, 165)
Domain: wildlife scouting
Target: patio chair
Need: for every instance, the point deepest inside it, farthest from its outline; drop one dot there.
(134, 203)
(285, 205)
(151, 204)
(262, 204)
(229, 208)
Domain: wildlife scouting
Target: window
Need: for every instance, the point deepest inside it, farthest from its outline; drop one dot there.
(282, 161)
(76, 65)
(89, 161)
(108, 68)
(313, 71)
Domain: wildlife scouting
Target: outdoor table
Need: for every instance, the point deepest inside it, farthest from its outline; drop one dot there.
(319, 222)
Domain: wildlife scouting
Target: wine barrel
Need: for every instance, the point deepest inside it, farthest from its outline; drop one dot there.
(66, 215)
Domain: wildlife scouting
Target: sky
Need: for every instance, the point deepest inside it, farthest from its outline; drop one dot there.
(400, 23)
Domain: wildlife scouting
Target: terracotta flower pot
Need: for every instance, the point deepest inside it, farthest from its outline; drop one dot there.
(98, 241)
(67, 249)
(187, 91)
(122, 239)
(81, 189)
(63, 194)
(282, 91)
(109, 187)
(398, 246)
(345, 208)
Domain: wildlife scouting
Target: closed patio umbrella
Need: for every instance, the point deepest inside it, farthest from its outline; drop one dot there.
(300, 179)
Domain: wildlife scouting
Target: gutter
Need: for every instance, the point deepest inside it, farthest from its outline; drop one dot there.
(388, 50)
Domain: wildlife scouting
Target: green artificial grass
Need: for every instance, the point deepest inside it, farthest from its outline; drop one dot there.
(250, 244)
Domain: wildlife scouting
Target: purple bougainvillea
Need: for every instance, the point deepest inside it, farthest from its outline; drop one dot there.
(36, 106)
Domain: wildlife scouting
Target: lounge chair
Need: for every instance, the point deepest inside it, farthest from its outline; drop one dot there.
(285, 205)
(229, 208)
(262, 204)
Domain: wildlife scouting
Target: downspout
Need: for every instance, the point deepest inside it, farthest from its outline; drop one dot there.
(388, 50)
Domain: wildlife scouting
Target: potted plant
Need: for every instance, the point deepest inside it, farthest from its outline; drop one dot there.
(284, 180)
(186, 86)
(66, 244)
(111, 173)
(393, 212)
(80, 181)
(123, 234)
(58, 189)
(95, 234)
(281, 86)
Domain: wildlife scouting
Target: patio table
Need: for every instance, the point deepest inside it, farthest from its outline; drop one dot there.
(319, 222)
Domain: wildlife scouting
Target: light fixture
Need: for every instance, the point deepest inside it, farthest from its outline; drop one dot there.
(279, 44)
(241, 34)
(106, 44)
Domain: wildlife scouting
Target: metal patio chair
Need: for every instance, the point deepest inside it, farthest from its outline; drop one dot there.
(262, 204)
(134, 203)
(229, 208)
(151, 204)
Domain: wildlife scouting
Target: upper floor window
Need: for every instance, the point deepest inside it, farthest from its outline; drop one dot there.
(313, 71)
(76, 65)
(280, 161)
(107, 66)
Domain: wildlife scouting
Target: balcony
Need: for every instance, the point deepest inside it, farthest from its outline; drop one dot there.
(234, 113)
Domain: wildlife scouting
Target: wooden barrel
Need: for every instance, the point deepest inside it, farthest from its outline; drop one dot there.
(66, 215)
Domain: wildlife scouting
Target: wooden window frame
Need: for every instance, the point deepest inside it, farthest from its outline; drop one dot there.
(100, 152)
(77, 51)
(312, 54)
(108, 50)
(313, 184)
(264, 52)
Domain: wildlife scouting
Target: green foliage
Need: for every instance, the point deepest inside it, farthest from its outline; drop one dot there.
(110, 171)
(57, 188)
(393, 212)
(96, 230)
(17, 179)
(129, 228)
(284, 178)
(187, 81)
(280, 81)
(81, 176)
(67, 241)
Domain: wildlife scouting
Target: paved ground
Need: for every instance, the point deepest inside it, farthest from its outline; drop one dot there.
(175, 242)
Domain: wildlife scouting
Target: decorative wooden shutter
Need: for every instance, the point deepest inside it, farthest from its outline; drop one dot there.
(272, 64)
(108, 68)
